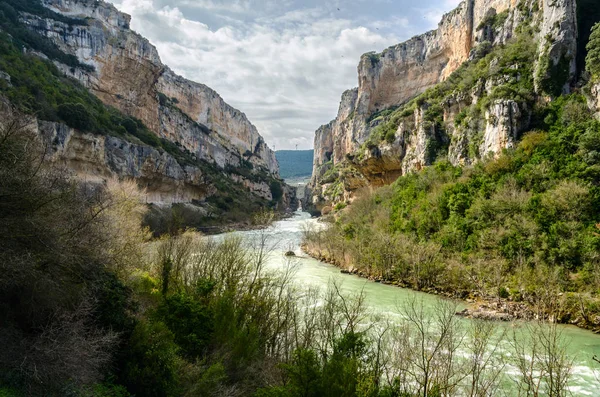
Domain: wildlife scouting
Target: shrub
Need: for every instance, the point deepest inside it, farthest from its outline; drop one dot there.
(276, 190)
(390, 136)
(152, 361)
(76, 116)
(340, 206)
(130, 126)
(593, 57)
(190, 321)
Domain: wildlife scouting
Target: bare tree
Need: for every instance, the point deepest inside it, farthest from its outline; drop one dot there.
(485, 360)
(435, 337)
(540, 356)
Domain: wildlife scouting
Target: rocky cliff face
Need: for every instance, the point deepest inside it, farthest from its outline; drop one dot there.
(129, 75)
(389, 80)
(594, 98)
(95, 158)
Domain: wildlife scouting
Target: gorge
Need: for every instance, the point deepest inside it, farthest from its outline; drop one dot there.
(149, 239)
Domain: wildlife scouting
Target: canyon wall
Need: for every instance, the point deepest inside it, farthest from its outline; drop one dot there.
(389, 80)
(127, 73)
(95, 158)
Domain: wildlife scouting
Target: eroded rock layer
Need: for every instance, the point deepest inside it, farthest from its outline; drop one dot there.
(389, 80)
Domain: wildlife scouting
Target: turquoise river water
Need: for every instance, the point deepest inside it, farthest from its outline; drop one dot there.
(385, 300)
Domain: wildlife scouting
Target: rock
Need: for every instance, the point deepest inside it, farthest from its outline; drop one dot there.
(126, 72)
(594, 98)
(6, 77)
(398, 74)
(96, 158)
(290, 253)
(503, 124)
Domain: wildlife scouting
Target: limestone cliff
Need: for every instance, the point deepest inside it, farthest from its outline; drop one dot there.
(417, 130)
(128, 74)
(95, 158)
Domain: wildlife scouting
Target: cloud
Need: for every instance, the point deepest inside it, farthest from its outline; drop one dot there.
(284, 65)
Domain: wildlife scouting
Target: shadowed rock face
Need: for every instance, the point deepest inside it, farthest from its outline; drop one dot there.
(400, 73)
(130, 76)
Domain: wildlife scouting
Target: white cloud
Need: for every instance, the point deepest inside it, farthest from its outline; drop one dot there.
(284, 67)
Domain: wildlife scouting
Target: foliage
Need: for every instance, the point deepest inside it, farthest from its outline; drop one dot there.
(531, 207)
(60, 307)
(276, 190)
(512, 64)
(38, 87)
(151, 364)
(593, 56)
(494, 21)
(588, 15)
(75, 115)
(23, 37)
(84, 312)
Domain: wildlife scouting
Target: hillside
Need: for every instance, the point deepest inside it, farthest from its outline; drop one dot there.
(71, 65)
(485, 186)
(468, 90)
(295, 163)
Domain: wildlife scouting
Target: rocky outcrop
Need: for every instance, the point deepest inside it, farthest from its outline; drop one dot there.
(594, 98)
(96, 158)
(206, 107)
(503, 124)
(392, 78)
(126, 72)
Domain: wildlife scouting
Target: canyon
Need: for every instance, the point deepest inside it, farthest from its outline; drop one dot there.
(348, 157)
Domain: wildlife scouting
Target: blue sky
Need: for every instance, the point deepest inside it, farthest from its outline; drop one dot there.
(285, 63)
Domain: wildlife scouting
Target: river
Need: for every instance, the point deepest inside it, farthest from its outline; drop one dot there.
(384, 299)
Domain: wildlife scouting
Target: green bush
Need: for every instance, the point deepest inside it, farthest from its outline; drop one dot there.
(151, 367)
(190, 321)
(76, 115)
(276, 190)
(593, 56)
(533, 205)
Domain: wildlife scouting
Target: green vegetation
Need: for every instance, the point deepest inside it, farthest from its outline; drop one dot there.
(373, 57)
(512, 65)
(588, 14)
(23, 37)
(593, 57)
(494, 21)
(38, 87)
(89, 306)
(523, 226)
(295, 163)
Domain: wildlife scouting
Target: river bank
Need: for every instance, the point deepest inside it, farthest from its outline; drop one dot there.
(478, 306)
(244, 226)
(384, 300)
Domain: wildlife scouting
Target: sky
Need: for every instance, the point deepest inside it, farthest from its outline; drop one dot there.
(284, 63)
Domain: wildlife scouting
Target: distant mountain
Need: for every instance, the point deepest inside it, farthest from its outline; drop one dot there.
(295, 163)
